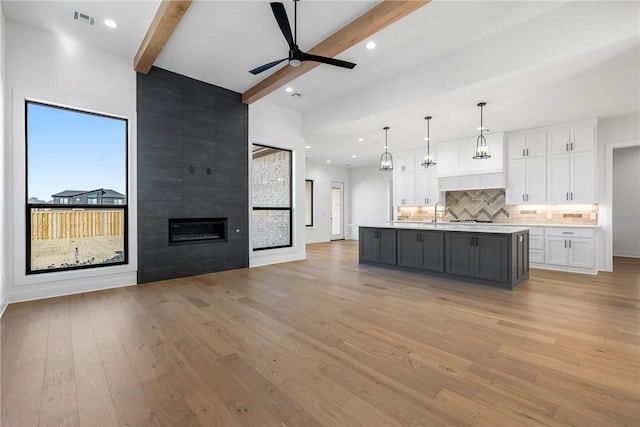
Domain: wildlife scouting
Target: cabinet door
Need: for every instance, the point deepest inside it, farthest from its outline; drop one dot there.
(432, 251)
(460, 258)
(387, 241)
(369, 244)
(558, 178)
(582, 139)
(491, 257)
(408, 246)
(400, 189)
(516, 147)
(536, 178)
(558, 141)
(555, 250)
(516, 178)
(581, 177)
(536, 144)
(423, 182)
(403, 162)
(581, 253)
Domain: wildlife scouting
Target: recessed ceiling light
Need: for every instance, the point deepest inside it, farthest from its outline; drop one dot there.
(371, 45)
(110, 23)
(328, 161)
(360, 139)
(307, 146)
(353, 157)
(289, 89)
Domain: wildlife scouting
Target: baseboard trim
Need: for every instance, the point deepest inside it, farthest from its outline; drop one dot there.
(627, 254)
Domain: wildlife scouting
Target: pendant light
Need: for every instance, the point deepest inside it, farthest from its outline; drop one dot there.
(482, 150)
(428, 159)
(386, 160)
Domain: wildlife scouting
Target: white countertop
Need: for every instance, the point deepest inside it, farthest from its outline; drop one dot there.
(445, 226)
(499, 224)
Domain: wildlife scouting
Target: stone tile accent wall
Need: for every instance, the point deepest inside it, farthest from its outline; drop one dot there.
(192, 163)
(489, 205)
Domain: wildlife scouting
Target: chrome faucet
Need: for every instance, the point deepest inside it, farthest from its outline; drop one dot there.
(435, 213)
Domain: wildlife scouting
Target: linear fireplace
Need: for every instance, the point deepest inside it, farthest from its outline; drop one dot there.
(197, 230)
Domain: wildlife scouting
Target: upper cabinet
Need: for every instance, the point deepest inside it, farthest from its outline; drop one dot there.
(455, 158)
(570, 164)
(524, 145)
(404, 162)
(571, 139)
(552, 165)
(526, 168)
(413, 184)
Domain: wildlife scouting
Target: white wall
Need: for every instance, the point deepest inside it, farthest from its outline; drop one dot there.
(626, 202)
(3, 225)
(370, 197)
(280, 127)
(45, 67)
(621, 131)
(322, 175)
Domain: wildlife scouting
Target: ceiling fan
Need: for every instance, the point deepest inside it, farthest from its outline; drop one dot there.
(296, 56)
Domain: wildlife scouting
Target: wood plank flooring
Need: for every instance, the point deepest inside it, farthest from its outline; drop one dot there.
(329, 342)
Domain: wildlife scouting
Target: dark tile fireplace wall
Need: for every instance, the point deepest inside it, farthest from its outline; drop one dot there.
(192, 163)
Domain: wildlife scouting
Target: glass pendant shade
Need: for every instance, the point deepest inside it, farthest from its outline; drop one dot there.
(482, 149)
(428, 158)
(386, 160)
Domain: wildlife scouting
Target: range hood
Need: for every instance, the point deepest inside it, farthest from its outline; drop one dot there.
(457, 170)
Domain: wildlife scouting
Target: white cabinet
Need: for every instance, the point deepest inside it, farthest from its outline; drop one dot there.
(530, 144)
(526, 180)
(426, 187)
(570, 248)
(536, 245)
(413, 184)
(571, 178)
(571, 139)
(404, 189)
(570, 164)
(404, 162)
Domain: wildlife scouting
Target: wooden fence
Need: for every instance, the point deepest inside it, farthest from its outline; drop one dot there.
(54, 224)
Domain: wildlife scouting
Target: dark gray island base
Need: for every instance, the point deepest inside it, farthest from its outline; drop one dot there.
(495, 256)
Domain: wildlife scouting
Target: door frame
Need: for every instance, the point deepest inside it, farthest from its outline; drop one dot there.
(340, 185)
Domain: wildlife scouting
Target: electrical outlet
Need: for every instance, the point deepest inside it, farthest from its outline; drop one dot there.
(594, 215)
(549, 216)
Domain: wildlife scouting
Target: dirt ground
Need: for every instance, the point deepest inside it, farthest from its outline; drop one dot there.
(47, 254)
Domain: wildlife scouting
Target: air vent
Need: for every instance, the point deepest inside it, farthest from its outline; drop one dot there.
(81, 17)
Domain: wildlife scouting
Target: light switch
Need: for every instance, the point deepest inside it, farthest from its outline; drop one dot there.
(549, 215)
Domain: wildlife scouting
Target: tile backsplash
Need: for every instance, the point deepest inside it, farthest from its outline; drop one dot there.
(489, 205)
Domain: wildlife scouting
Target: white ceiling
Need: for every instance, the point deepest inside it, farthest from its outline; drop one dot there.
(534, 63)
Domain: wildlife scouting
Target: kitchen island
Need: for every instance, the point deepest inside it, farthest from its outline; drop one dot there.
(485, 254)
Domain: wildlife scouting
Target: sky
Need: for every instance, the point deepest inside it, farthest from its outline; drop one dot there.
(71, 150)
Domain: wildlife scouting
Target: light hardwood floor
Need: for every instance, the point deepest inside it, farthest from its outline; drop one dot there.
(329, 342)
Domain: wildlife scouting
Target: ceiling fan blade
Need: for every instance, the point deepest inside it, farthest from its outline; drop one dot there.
(325, 60)
(265, 67)
(280, 13)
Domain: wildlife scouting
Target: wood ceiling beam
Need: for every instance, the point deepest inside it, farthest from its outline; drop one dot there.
(167, 18)
(380, 16)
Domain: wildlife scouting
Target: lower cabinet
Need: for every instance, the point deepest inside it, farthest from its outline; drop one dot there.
(496, 259)
(572, 252)
(378, 245)
(421, 249)
(476, 255)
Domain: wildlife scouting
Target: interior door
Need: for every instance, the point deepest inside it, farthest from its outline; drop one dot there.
(337, 210)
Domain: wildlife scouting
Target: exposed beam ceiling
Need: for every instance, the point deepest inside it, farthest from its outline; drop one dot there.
(379, 17)
(167, 18)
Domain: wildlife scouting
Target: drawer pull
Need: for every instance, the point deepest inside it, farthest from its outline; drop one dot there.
(567, 232)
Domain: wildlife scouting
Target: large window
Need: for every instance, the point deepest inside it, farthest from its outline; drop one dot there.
(76, 198)
(272, 214)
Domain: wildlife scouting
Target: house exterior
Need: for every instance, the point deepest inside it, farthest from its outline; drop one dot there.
(100, 196)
